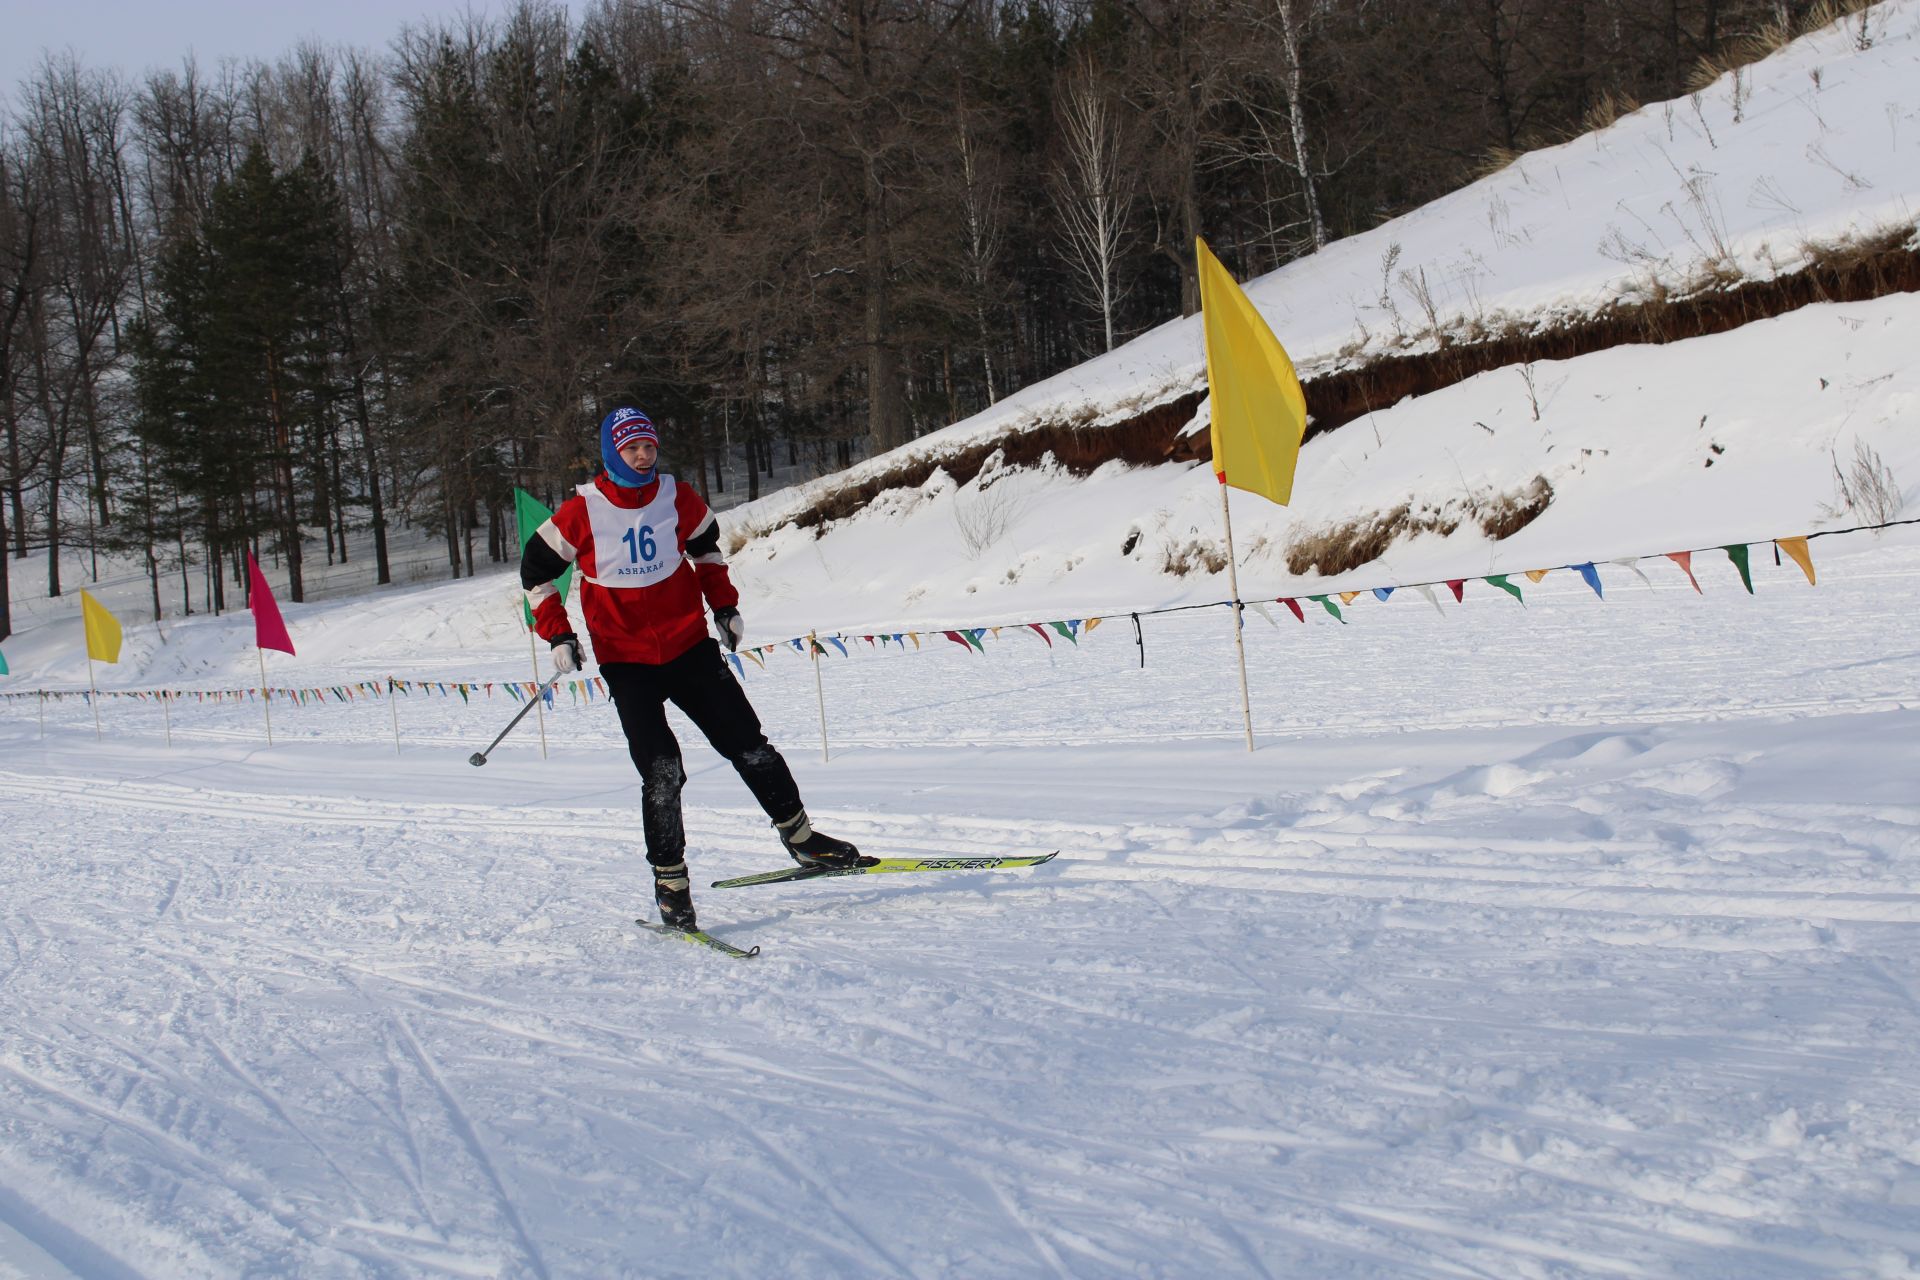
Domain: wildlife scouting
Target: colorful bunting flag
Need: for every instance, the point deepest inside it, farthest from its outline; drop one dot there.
(1796, 549)
(1630, 562)
(1383, 594)
(1328, 605)
(1592, 576)
(1500, 580)
(1431, 598)
(1459, 588)
(1738, 554)
(1534, 575)
(1685, 560)
(1294, 605)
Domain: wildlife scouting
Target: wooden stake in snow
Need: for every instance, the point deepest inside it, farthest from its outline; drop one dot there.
(166, 710)
(393, 703)
(540, 712)
(819, 693)
(1239, 631)
(93, 696)
(266, 694)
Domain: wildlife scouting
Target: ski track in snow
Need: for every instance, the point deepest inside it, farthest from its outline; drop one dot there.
(1484, 964)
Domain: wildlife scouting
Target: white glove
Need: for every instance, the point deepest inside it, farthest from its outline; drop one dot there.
(732, 629)
(566, 654)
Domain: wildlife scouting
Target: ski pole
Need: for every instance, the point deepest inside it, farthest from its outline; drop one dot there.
(479, 758)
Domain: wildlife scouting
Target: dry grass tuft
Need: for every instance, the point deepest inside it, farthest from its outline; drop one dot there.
(1202, 554)
(1506, 514)
(1610, 106)
(1771, 38)
(1496, 159)
(736, 534)
(1362, 540)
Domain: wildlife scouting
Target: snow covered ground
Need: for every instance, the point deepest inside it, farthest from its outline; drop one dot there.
(1576, 939)
(1573, 939)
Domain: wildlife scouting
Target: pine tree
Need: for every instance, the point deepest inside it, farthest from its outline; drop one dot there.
(233, 378)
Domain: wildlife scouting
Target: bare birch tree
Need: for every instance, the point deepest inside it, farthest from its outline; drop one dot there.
(1093, 190)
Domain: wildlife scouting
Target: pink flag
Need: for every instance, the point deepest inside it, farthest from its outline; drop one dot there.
(269, 632)
(1685, 560)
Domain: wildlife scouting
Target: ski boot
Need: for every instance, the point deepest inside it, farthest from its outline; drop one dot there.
(673, 894)
(811, 848)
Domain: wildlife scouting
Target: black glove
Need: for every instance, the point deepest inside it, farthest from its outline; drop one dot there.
(566, 653)
(732, 630)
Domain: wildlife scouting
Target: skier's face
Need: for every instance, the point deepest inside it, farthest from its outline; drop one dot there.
(640, 454)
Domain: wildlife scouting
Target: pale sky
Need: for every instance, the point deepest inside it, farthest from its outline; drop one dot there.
(135, 35)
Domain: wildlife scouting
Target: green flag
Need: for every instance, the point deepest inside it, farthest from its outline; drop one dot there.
(3, 664)
(530, 513)
(1738, 554)
(1500, 580)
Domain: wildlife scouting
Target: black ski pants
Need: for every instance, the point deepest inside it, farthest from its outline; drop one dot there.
(698, 683)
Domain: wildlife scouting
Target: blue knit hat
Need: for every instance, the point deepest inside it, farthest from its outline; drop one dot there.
(622, 427)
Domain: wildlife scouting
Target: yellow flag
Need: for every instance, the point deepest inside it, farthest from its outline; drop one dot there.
(1796, 549)
(103, 629)
(1259, 412)
(1537, 574)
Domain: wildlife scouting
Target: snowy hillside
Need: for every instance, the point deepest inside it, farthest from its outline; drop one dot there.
(1559, 939)
(1815, 146)
(1647, 449)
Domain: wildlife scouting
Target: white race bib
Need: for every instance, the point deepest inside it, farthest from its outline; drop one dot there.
(634, 549)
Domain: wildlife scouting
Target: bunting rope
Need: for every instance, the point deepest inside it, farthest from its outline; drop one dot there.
(972, 637)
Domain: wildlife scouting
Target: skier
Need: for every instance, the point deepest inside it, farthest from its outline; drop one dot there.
(648, 550)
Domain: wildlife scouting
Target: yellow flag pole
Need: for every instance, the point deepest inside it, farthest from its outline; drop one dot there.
(266, 694)
(93, 696)
(1239, 631)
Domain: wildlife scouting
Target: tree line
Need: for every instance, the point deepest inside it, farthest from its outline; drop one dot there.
(270, 305)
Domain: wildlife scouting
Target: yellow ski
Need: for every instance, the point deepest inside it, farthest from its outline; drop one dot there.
(889, 866)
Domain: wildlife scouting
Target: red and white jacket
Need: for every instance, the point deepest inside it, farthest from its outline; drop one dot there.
(649, 565)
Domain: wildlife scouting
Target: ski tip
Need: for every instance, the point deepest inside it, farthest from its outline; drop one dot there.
(700, 936)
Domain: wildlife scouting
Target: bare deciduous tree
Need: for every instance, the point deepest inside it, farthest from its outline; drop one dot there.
(1093, 190)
